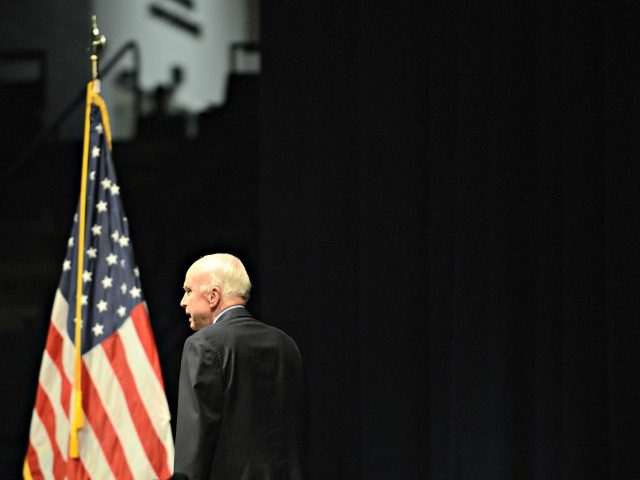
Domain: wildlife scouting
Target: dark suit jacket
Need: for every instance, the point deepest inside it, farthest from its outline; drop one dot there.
(242, 412)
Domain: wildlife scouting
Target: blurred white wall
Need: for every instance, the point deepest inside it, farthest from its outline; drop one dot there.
(202, 57)
(61, 29)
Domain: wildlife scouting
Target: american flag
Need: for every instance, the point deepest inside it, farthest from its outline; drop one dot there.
(127, 431)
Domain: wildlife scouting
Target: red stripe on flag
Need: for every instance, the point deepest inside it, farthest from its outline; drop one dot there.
(153, 447)
(48, 418)
(76, 470)
(55, 348)
(34, 464)
(101, 425)
(140, 318)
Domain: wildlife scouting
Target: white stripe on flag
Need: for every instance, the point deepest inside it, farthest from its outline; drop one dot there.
(40, 442)
(52, 386)
(59, 320)
(91, 454)
(151, 392)
(115, 405)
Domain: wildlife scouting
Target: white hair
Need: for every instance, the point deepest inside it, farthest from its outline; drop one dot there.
(228, 273)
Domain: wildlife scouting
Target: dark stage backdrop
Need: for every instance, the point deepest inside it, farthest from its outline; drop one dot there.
(442, 207)
(449, 226)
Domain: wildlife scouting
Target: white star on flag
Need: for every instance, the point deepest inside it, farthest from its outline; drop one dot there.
(99, 128)
(122, 311)
(86, 276)
(136, 272)
(84, 299)
(134, 292)
(123, 288)
(92, 175)
(124, 241)
(98, 329)
(115, 189)
(107, 282)
(70, 242)
(95, 152)
(92, 252)
(101, 206)
(101, 306)
(66, 265)
(112, 259)
(106, 183)
(115, 235)
(96, 229)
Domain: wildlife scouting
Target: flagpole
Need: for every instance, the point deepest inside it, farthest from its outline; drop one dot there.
(77, 421)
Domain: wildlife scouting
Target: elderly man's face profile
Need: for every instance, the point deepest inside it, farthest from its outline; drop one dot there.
(196, 303)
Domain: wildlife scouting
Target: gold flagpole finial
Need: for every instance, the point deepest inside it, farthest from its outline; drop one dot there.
(97, 42)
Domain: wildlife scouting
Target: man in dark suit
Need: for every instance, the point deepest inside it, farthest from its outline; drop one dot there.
(242, 405)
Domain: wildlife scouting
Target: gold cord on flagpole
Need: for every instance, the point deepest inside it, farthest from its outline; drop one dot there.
(77, 420)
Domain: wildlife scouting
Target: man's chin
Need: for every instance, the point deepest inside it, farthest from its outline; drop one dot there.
(196, 325)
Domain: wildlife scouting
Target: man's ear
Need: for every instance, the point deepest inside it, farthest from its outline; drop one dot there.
(214, 296)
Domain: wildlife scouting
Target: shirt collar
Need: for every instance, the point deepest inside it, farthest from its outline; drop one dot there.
(226, 310)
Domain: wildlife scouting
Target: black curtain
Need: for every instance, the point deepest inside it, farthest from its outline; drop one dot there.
(449, 227)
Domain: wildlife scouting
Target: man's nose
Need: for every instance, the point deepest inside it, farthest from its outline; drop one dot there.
(183, 303)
